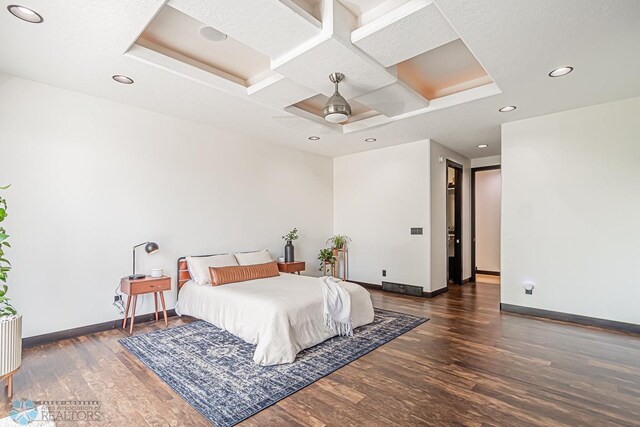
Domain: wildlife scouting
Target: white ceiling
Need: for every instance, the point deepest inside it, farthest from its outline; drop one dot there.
(82, 43)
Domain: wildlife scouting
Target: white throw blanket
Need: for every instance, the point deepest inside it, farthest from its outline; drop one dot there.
(337, 306)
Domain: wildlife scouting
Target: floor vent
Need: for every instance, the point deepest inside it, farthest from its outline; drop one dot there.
(400, 288)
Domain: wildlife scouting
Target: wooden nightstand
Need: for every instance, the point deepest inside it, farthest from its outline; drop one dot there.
(291, 267)
(133, 288)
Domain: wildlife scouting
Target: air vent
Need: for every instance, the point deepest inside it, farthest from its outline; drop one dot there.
(400, 288)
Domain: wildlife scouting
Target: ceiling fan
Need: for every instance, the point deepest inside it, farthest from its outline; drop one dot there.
(336, 109)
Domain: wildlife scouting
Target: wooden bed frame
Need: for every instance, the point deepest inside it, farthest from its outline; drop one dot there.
(183, 272)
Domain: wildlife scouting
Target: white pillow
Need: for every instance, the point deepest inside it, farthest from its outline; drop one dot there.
(249, 258)
(199, 266)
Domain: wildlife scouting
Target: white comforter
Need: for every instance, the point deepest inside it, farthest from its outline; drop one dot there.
(280, 315)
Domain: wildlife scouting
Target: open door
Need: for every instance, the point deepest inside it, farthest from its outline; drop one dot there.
(486, 194)
(454, 222)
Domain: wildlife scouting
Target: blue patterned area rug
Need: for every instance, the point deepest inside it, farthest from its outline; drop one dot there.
(214, 371)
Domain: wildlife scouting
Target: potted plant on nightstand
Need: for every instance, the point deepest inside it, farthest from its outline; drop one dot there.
(289, 255)
(10, 320)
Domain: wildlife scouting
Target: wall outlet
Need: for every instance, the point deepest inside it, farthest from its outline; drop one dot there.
(384, 273)
(117, 298)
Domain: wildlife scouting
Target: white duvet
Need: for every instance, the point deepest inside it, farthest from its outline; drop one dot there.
(280, 315)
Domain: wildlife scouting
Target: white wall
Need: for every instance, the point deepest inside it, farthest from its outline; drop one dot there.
(571, 209)
(378, 196)
(488, 191)
(485, 161)
(438, 209)
(90, 178)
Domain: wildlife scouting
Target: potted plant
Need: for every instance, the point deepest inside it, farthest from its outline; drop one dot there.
(326, 258)
(10, 320)
(338, 242)
(289, 255)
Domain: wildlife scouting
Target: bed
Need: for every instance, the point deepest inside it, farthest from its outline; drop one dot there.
(280, 315)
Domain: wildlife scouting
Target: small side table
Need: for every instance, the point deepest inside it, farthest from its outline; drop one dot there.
(291, 267)
(133, 288)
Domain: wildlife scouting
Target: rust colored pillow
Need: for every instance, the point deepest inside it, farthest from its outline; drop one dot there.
(242, 273)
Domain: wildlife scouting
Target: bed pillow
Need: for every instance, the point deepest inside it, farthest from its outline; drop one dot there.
(242, 273)
(199, 266)
(250, 258)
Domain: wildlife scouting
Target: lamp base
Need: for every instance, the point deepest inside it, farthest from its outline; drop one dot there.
(137, 276)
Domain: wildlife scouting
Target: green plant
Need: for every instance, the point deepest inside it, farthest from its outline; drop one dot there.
(291, 236)
(339, 241)
(6, 309)
(326, 257)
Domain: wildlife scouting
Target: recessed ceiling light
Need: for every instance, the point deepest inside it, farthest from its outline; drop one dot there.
(370, 140)
(483, 145)
(562, 71)
(25, 14)
(122, 79)
(212, 34)
(507, 109)
(314, 138)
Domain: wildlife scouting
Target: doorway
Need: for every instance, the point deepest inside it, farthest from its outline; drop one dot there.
(486, 193)
(454, 222)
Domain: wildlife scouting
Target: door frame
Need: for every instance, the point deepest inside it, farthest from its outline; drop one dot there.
(458, 265)
(474, 268)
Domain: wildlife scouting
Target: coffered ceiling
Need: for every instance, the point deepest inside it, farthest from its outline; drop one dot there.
(414, 69)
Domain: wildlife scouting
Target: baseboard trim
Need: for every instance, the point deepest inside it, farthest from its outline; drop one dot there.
(572, 318)
(424, 294)
(366, 285)
(435, 293)
(86, 330)
(488, 273)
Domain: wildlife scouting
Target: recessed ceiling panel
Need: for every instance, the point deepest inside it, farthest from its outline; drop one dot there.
(407, 31)
(272, 27)
(443, 71)
(179, 33)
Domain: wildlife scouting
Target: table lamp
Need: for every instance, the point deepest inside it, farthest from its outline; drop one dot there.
(150, 247)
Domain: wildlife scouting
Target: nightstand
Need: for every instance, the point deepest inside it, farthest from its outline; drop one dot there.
(291, 267)
(133, 288)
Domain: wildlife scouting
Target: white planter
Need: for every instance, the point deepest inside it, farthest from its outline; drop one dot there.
(10, 344)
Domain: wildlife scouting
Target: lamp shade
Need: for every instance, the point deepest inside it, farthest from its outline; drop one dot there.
(151, 247)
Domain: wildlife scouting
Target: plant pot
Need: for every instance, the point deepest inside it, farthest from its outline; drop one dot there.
(289, 255)
(10, 344)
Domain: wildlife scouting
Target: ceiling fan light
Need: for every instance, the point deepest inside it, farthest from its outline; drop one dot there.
(336, 117)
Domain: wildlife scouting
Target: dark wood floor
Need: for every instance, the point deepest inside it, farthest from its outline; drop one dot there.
(470, 365)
